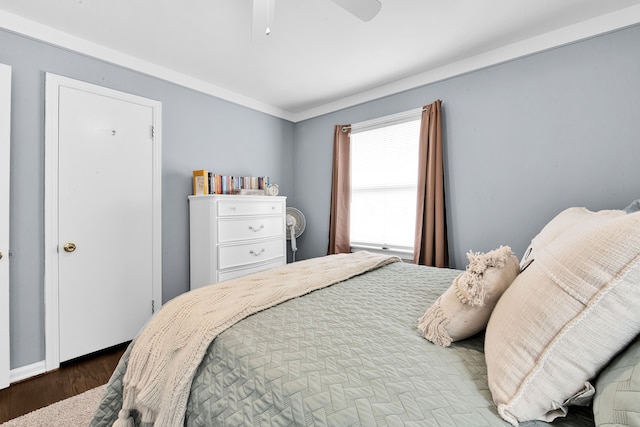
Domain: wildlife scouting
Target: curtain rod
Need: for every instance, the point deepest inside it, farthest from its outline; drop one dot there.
(385, 120)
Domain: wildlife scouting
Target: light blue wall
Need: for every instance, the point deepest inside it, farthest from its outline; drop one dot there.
(523, 140)
(199, 132)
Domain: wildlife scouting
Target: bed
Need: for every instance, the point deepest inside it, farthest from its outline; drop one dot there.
(350, 354)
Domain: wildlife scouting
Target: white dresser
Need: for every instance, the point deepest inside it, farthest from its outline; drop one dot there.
(232, 236)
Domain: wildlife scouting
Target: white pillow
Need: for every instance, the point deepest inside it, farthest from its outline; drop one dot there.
(559, 224)
(464, 309)
(564, 318)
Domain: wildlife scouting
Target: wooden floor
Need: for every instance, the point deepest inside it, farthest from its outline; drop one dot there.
(73, 377)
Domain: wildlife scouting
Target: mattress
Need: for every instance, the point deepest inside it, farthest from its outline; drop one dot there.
(346, 355)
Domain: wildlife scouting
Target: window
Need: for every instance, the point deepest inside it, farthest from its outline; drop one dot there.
(384, 177)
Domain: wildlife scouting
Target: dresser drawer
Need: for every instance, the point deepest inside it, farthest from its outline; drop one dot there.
(233, 235)
(239, 272)
(231, 229)
(249, 253)
(236, 208)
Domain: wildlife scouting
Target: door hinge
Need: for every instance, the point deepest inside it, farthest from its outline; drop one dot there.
(153, 132)
(153, 306)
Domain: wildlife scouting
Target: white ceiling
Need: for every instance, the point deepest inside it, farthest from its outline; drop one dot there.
(318, 57)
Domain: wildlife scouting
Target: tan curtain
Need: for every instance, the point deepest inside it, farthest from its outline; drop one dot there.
(431, 246)
(339, 229)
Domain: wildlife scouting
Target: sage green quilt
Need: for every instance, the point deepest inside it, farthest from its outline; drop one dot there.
(346, 355)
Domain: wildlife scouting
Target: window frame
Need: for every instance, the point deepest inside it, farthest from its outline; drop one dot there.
(404, 252)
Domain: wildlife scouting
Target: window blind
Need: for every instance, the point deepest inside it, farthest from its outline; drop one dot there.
(384, 175)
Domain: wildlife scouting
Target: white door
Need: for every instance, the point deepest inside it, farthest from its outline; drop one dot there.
(5, 123)
(106, 243)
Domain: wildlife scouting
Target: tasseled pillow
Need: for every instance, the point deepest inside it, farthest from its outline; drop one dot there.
(464, 309)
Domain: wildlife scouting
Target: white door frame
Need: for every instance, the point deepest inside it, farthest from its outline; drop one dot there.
(5, 167)
(51, 285)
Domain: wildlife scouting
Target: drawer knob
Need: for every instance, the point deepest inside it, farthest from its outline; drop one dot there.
(256, 229)
(254, 253)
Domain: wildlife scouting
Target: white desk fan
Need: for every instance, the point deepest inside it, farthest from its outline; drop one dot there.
(296, 224)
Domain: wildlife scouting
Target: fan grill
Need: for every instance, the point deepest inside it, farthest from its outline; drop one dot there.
(296, 224)
(296, 219)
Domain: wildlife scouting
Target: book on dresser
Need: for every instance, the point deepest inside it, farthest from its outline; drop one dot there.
(235, 235)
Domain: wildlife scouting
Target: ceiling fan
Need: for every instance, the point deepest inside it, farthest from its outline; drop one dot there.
(365, 10)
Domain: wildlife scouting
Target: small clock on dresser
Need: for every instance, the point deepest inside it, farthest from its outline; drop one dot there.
(272, 190)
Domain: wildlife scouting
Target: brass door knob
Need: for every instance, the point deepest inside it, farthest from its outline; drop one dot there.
(0, 255)
(69, 247)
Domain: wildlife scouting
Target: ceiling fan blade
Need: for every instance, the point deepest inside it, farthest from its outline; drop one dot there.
(366, 10)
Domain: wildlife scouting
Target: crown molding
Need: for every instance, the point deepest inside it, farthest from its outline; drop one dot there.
(52, 36)
(573, 33)
(593, 27)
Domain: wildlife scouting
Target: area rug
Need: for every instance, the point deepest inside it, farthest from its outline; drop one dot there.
(76, 411)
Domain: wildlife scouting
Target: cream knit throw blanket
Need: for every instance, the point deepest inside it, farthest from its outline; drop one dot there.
(167, 352)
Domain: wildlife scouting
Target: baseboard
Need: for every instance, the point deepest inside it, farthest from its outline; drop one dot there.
(28, 371)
